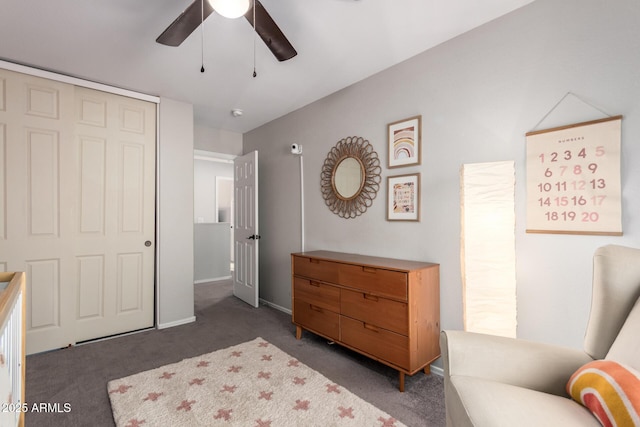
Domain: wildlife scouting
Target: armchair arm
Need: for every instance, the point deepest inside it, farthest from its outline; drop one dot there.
(537, 366)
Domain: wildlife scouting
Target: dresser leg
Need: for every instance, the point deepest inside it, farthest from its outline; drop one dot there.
(401, 378)
(427, 369)
(298, 332)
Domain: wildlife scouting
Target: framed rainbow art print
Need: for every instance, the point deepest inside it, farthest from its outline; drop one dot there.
(404, 142)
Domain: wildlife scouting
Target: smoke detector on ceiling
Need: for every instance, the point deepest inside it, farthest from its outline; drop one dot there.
(236, 112)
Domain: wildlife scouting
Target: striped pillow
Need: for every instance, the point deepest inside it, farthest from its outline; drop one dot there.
(610, 390)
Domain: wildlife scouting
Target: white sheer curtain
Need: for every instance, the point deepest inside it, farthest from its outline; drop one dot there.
(488, 247)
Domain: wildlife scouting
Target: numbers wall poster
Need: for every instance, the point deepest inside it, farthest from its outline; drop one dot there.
(573, 179)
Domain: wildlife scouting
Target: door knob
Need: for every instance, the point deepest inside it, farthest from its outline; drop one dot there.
(147, 243)
(254, 237)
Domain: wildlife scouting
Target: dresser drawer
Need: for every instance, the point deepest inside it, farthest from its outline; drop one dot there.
(316, 319)
(318, 269)
(380, 343)
(374, 310)
(376, 280)
(318, 294)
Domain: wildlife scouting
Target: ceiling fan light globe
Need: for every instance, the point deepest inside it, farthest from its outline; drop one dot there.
(231, 8)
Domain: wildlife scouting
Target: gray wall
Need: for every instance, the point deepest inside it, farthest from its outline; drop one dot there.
(212, 254)
(175, 214)
(204, 179)
(478, 95)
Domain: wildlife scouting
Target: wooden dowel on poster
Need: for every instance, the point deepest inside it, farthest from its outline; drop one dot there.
(574, 125)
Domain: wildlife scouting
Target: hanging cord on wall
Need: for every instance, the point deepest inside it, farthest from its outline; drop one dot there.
(202, 35)
(255, 36)
(301, 203)
(560, 102)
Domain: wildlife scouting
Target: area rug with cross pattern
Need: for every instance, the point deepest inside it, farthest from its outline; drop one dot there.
(250, 384)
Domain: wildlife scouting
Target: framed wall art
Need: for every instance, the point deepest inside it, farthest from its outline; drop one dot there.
(573, 179)
(403, 197)
(404, 142)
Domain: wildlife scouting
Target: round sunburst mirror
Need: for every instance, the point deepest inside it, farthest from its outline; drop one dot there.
(350, 177)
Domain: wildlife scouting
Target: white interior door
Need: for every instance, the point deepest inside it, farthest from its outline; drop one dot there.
(79, 207)
(36, 125)
(114, 234)
(246, 237)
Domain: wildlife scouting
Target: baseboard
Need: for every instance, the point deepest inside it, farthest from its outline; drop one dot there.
(177, 322)
(276, 306)
(213, 279)
(437, 371)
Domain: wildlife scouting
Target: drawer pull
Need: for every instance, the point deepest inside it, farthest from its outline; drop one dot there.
(314, 261)
(370, 297)
(369, 270)
(315, 284)
(371, 327)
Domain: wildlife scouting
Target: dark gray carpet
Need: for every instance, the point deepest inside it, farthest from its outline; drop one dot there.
(79, 375)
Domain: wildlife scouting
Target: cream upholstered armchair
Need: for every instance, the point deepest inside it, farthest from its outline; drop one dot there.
(494, 381)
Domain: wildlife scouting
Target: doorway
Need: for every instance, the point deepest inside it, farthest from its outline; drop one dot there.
(213, 216)
(224, 207)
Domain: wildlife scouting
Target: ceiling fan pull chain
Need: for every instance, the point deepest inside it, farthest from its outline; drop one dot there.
(255, 36)
(202, 35)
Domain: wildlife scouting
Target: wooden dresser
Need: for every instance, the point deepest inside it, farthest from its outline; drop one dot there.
(386, 309)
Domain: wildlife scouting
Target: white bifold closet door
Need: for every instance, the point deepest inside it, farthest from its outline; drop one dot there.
(77, 196)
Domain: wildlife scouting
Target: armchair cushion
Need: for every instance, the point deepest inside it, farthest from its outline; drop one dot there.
(626, 348)
(616, 287)
(610, 390)
(537, 366)
(481, 402)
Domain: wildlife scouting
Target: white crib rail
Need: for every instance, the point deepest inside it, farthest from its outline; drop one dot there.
(12, 350)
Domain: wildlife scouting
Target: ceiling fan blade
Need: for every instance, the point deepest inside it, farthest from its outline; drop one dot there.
(270, 33)
(185, 24)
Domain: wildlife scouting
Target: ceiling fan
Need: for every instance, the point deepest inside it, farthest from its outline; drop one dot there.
(195, 14)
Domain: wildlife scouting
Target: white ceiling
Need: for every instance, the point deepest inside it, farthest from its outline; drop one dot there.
(339, 42)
